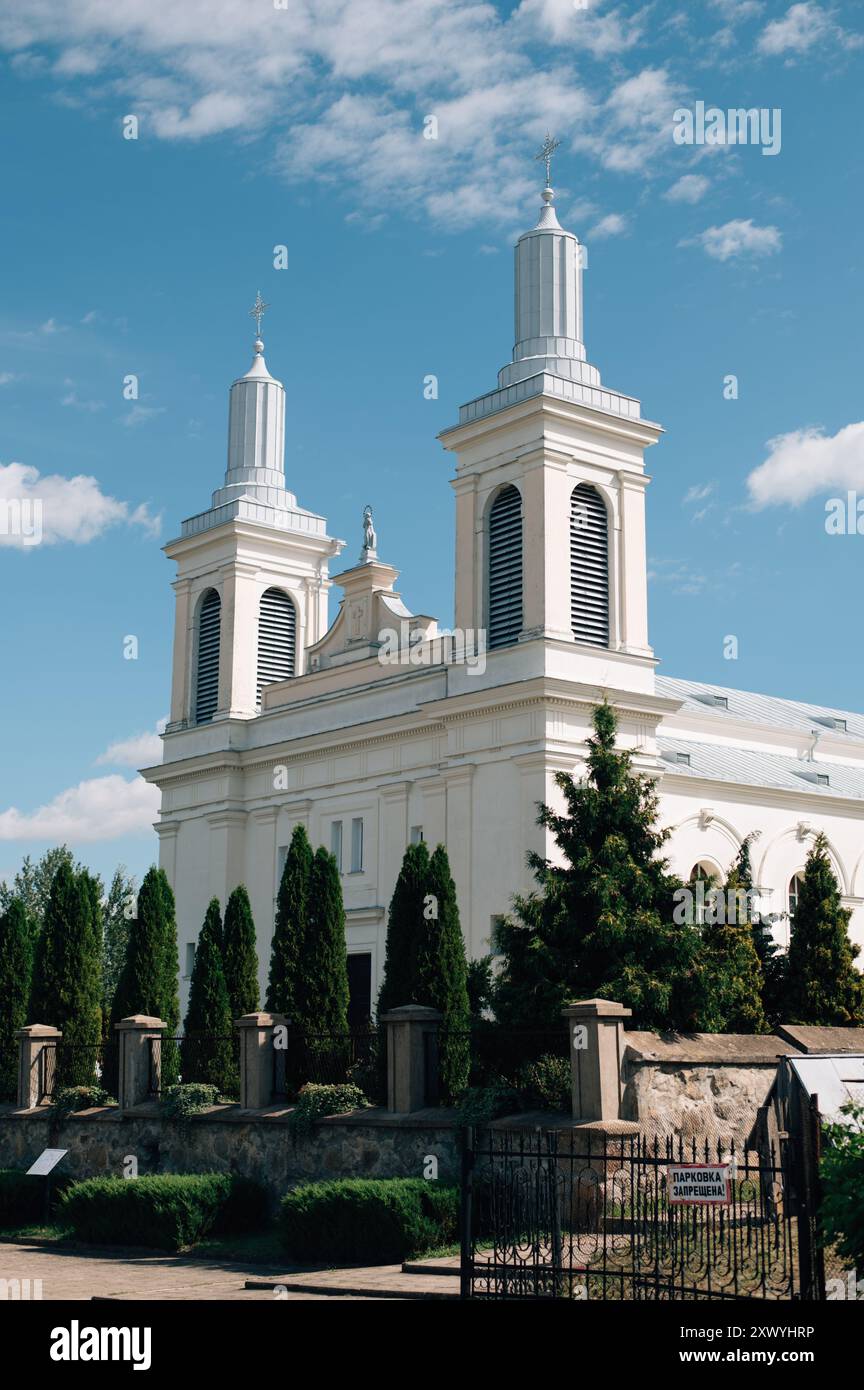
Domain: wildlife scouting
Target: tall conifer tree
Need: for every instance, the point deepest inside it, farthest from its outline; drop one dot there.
(289, 933)
(67, 973)
(405, 932)
(207, 1052)
(823, 986)
(443, 974)
(324, 998)
(149, 981)
(602, 922)
(16, 965)
(239, 956)
(734, 1003)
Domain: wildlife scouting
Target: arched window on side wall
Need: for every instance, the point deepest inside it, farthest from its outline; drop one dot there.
(589, 567)
(277, 638)
(505, 568)
(708, 876)
(207, 673)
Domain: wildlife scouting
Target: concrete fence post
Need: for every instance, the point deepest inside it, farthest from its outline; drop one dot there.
(139, 1065)
(412, 1057)
(36, 1052)
(260, 1052)
(596, 1028)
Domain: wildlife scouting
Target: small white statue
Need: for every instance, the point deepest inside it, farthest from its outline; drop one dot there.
(370, 540)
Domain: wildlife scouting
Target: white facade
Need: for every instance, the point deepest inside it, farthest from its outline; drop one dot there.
(371, 747)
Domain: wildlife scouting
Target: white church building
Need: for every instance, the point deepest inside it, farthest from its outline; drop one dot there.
(375, 730)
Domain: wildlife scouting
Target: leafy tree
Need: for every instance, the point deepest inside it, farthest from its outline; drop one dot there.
(323, 995)
(149, 980)
(207, 1052)
(118, 909)
(16, 964)
(481, 986)
(842, 1172)
(733, 1004)
(601, 924)
(405, 932)
(289, 934)
(239, 957)
(443, 974)
(32, 885)
(67, 985)
(823, 986)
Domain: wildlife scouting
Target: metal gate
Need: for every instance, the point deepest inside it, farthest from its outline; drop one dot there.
(549, 1214)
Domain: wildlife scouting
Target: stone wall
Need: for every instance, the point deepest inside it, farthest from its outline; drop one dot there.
(367, 1144)
(702, 1086)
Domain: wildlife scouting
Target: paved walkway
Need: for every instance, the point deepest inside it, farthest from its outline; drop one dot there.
(68, 1274)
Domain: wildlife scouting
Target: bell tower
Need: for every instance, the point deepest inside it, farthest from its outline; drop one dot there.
(252, 570)
(550, 484)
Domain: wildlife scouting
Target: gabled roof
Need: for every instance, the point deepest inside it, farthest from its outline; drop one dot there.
(723, 762)
(771, 710)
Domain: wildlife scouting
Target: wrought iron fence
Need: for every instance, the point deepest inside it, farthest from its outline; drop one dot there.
(210, 1058)
(61, 1064)
(570, 1214)
(504, 1056)
(328, 1059)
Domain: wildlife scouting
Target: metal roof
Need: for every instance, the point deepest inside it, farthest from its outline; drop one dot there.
(725, 763)
(758, 709)
(836, 1080)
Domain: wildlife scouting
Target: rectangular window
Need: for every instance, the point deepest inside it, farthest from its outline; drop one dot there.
(336, 842)
(416, 834)
(359, 989)
(357, 845)
(190, 958)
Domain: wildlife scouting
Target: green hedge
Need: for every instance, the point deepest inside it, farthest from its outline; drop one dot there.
(367, 1220)
(165, 1211)
(22, 1199)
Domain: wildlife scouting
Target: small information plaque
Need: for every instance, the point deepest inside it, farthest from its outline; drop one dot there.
(47, 1160)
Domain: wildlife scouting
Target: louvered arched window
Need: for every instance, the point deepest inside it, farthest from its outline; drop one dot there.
(589, 567)
(277, 638)
(505, 568)
(207, 674)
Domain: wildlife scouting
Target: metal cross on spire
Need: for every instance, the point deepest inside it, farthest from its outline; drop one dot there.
(550, 145)
(257, 312)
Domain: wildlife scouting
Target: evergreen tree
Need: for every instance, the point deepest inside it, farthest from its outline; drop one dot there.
(118, 909)
(323, 994)
(289, 933)
(771, 958)
(16, 964)
(239, 957)
(443, 974)
(32, 885)
(602, 924)
(207, 1052)
(734, 1000)
(823, 986)
(67, 985)
(149, 980)
(405, 932)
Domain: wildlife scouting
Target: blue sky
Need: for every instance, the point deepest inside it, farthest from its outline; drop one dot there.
(261, 126)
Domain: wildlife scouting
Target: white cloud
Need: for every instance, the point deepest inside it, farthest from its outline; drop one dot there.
(140, 414)
(51, 326)
(103, 808)
(804, 463)
(690, 188)
(6, 377)
(740, 237)
(140, 750)
(71, 399)
(698, 493)
(72, 509)
(801, 27)
(340, 89)
(613, 224)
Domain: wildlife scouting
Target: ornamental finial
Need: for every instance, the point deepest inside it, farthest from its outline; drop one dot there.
(257, 312)
(550, 145)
